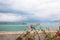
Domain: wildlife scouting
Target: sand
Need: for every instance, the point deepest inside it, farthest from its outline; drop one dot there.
(13, 35)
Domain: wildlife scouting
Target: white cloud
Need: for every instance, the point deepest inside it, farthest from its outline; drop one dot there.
(6, 1)
(40, 8)
(11, 17)
(44, 9)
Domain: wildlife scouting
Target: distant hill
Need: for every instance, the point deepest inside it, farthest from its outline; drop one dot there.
(12, 23)
(57, 21)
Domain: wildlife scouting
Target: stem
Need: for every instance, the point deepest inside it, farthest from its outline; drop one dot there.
(37, 34)
(24, 31)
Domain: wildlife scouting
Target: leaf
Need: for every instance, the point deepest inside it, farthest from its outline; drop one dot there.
(19, 38)
(26, 33)
(43, 31)
(47, 28)
(37, 24)
(49, 36)
(30, 39)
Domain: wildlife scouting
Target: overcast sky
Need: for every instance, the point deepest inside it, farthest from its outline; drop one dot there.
(29, 10)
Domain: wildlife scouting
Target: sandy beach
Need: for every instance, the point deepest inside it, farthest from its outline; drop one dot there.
(19, 32)
(13, 35)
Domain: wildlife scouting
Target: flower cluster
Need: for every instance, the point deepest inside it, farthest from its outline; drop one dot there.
(31, 26)
(58, 33)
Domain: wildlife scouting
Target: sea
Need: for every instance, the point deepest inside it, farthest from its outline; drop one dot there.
(21, 27)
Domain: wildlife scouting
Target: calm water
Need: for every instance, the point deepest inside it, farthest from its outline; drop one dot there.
(52, 26)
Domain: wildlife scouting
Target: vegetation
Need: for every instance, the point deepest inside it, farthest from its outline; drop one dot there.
(46, 36)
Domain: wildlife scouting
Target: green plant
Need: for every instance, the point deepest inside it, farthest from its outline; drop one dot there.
(48, 36)
(19, 38)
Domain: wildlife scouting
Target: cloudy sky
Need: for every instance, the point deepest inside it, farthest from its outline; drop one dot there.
(29, 10)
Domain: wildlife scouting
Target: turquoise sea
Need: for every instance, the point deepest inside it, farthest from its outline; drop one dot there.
(51, 25)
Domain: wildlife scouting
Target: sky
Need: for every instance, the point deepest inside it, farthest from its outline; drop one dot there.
(29, 10)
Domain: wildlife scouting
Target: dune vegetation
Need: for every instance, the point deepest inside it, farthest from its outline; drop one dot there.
(39, 34)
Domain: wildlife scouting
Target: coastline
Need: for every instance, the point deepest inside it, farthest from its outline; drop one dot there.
(20, 32)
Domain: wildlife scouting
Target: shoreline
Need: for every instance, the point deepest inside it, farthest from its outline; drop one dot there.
(20, 32)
